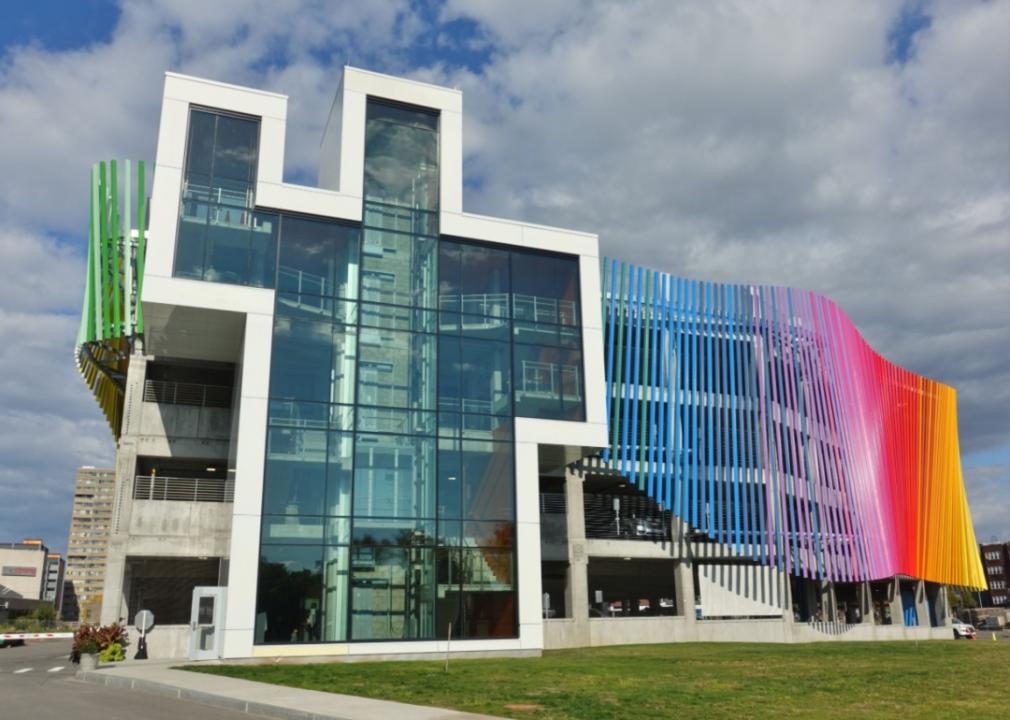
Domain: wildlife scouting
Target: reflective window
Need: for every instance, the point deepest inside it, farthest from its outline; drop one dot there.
(392, 595)
(396, 369)
(545, 288)
(318, 257)
(339, 473)
(476, 592)
(312, 360)
(288, 602)
(394, 476)
(474, 376)
(487, 475)
(401, 156)
(474, 279)
(548, 382)
(295, 481)
(398, 269)
(220, 236)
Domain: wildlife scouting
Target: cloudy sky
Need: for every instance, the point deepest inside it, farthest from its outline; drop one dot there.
(859, 149)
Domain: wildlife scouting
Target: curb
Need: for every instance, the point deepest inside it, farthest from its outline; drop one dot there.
(204, 698)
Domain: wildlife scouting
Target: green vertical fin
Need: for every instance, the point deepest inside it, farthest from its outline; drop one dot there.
(141, 241)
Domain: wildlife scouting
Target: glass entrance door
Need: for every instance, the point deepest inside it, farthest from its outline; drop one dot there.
(205, 622)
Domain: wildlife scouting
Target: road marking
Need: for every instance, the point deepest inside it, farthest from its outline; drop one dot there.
(23, 670)
(55, 669)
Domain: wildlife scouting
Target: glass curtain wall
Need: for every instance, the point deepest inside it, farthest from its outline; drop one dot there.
(306, 526)
(221, 237)
(399, 362)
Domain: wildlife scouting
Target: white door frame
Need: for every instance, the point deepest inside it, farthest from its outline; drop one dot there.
(200, 648)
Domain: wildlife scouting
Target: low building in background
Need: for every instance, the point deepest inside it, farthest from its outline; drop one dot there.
(29, 575)
(88, 543)
(355, 420)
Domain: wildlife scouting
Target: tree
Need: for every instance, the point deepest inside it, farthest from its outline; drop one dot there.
(44, 614)
(960, 598)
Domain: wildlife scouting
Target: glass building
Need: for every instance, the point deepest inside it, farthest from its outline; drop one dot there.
(354, 419)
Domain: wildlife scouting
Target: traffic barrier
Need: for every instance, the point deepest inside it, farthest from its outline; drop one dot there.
(35, 636)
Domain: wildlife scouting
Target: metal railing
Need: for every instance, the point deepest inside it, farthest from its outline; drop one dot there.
(625, 517)
(158, 487)
(186, 393)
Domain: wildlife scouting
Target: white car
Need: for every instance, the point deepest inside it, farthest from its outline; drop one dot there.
(963, 631)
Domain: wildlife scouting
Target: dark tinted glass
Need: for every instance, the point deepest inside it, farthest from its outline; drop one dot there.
(545, 288)
(288, 607)
(488, 604)
(235, 148)
(200, 143)
(191, 243)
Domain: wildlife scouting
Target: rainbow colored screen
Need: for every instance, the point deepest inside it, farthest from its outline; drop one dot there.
(763, 419)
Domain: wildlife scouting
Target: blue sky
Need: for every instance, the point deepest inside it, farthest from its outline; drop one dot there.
(859, 150)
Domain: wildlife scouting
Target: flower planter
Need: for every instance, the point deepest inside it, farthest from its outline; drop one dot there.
(89, 661)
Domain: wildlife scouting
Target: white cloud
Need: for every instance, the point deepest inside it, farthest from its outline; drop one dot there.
(772, 143)
(739, 141)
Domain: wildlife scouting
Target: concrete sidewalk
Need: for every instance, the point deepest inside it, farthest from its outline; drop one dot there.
(262, 699)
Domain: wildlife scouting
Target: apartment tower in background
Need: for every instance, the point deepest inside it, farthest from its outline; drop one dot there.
(88, 542)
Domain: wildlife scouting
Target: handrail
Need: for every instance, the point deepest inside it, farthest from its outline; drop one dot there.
(160, 487)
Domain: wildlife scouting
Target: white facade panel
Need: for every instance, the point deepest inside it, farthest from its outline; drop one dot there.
(450, 161)
(210, 93)
(270, 160)
(308, 200)
(172, 134)
(160, 254)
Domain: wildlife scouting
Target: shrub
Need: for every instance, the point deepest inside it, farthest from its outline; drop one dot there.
(45, 615)
(112, 653)
(90, 638)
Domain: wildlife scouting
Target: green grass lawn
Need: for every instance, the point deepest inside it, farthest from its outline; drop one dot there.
(937, 679)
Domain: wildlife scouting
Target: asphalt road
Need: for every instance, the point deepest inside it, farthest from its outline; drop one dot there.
(37, 683)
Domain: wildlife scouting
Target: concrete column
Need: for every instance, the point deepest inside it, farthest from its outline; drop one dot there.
(921, 605)
(115, 591)
(866, 603)
(825, 595)
(942, 606)
(577, 594)
(683, 583)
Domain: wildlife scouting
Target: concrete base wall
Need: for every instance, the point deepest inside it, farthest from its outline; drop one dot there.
(164, 642)
(565, 633)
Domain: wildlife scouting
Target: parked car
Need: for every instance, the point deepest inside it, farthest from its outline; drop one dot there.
(963, 631)
(990, 623)
(643, 528)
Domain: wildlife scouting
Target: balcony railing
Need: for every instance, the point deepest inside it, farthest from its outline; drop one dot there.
(158, 487)
(185, 393)
(625, 517)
